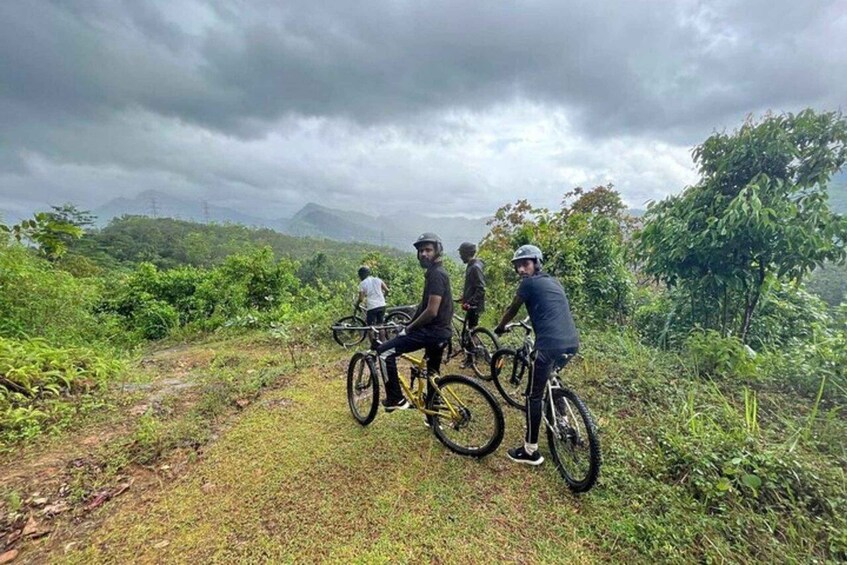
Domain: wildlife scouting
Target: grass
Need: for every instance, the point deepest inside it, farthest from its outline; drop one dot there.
(694, 470)
(297, 479)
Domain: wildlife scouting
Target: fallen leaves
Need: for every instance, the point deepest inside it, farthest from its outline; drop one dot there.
(8, 556)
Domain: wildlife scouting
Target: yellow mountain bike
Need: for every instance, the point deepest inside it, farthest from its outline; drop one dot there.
(462, 414)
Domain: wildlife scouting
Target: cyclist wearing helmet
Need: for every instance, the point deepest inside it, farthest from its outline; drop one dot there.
(473, 294)
(372, 290)
(430, 326)
(555, 336)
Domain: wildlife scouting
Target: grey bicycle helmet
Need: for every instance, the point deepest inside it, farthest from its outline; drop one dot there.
(429, 237)
(528, 252)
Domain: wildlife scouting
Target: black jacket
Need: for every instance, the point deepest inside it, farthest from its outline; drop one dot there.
(474, 291)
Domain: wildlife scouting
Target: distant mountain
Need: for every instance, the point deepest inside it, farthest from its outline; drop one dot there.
(313, 220)
(159, 204)
(398, 230)
(838, 193)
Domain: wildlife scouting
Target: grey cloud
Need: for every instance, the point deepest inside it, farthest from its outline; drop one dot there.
(633, 67)
(181, 92)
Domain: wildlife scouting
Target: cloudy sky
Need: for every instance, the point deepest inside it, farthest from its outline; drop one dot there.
(440, 106)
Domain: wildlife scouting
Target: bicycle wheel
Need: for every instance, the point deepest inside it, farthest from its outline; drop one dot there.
(573, 439)
(399, 318)
(362, 388)
(349, 338)
(510, 374)
(483, 345)
(475, 427)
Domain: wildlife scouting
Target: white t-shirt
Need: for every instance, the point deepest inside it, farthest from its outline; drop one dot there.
(372, 287)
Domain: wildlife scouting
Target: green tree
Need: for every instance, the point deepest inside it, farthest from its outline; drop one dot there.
(759, 211)
(50, 233)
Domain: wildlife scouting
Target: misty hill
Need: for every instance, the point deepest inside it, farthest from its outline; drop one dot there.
(313, 220)
(398, 230)
(167, 243)
(158, 204)
(838, 193)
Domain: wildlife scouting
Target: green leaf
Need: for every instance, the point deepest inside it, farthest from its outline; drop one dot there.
(752, 481)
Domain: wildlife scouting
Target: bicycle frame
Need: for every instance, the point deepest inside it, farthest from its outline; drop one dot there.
(527, 353)
(418, 395)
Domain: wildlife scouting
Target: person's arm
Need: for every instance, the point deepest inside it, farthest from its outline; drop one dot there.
(384, 286)
(510, 313)
(360, 298)
(428, 315)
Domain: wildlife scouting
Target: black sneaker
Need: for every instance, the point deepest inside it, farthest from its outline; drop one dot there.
(519, 455)
(392, 405)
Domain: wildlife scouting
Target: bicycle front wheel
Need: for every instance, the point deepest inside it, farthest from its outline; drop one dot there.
(349, 337)
(483, 345)
(510, 373)
(574, 442)
(362, 388)
(468, 419)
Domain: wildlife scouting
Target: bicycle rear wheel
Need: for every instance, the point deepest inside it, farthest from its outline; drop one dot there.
(510, 373)
(475, 426)
(349, 338)
(573, 439)
(398, 318)
(483, 345)
(362, 388)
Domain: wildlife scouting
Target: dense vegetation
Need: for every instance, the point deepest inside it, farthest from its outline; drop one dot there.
(697, 325)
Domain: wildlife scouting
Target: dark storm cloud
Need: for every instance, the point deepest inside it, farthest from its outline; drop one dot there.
(346, 99)
(632, 67)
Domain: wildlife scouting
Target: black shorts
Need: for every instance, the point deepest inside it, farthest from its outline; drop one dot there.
(375, 316)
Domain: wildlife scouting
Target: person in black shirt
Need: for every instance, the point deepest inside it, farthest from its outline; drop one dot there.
(555, 337)
(473, 294)
(430, 326)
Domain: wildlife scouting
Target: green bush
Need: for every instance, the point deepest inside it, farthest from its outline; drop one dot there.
(38, 300)
(724, 357)
(34, 376)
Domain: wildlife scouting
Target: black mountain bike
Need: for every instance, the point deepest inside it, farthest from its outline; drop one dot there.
(571, 432)
(478, 344)
(349, 332)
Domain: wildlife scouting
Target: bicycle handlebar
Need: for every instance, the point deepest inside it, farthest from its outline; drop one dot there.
(522, 324)
(388, 326)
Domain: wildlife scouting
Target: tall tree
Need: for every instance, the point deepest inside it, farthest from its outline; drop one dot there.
(760, 210)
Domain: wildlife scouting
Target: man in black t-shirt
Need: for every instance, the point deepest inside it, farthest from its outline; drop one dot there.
(473, 293)
(555, 337)
(430, 327)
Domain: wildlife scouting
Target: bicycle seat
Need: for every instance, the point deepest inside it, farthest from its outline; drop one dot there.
(562, 361)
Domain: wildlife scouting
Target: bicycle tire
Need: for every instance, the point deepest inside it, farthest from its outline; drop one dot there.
(362, 384)
(399, 318)
(564, 439)
(349, 338)
(483, 346)
(474, 404)
(509, 373)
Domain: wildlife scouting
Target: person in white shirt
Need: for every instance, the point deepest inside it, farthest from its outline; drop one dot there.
(372, 290)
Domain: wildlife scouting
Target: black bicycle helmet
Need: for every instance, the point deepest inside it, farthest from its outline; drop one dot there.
(364, 272)
(467, 248)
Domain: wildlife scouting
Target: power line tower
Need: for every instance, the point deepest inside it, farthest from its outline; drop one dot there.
(206, 211)
(154, 207)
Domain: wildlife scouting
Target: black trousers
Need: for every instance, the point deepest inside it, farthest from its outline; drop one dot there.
(433, 345)
(545, 360)
(375, 316)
